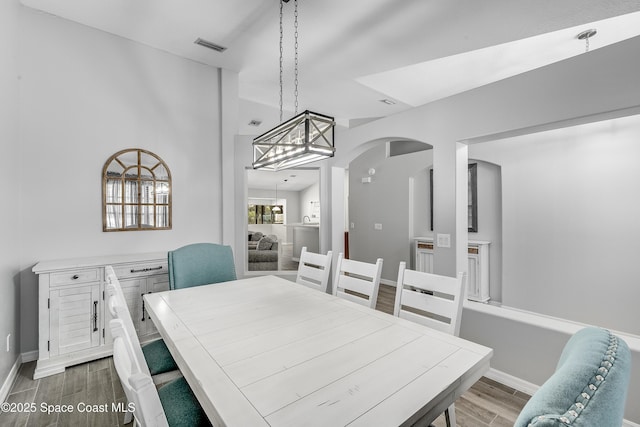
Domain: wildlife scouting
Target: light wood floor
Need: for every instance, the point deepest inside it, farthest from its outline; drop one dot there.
(486, 404)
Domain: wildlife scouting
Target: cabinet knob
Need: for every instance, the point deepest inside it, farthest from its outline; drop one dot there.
(75, 277)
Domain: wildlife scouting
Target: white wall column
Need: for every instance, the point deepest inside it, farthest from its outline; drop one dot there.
(228, 129)
(450, 208)
(338, 219)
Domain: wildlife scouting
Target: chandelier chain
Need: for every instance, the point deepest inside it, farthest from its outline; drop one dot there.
(295, 68)
(281, 52)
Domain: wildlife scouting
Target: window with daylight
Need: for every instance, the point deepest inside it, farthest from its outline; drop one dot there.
(136, 192)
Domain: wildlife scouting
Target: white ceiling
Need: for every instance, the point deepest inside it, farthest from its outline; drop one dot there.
(286, 180)
(355, 53)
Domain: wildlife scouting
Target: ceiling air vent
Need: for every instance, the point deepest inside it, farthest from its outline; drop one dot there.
(210, 45)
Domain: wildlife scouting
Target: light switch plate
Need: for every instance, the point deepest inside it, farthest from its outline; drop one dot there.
(377, 226)
(443, 240)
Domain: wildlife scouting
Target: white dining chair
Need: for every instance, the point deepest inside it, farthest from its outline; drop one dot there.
(314, 269)
(155, 353)
(173, 404)
(431, 300)
(357, 281)
(154, 357)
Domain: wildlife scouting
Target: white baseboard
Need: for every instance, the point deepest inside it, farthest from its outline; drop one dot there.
(388, 282)
(29, 356)
(13, 373)
(528, 388)
(511, 381)
(8, 382)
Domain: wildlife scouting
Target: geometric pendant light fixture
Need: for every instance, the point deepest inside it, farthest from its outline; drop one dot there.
(307, 137)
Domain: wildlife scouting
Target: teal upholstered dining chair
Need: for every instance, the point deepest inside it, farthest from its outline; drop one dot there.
(172, 405)
(588, 387)
(200, 264)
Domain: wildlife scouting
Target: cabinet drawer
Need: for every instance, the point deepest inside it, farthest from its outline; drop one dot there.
(140, 270)
(75, 276)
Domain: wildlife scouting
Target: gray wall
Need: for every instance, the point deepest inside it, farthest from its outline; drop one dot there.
(570, 221)
(384, 201)
(85, 94)
(404, 210)
(9, 174)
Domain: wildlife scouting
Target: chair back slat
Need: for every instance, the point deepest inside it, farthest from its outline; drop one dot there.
(437, 304)
(438, 325)
(430, 299)
(357, 281)
(314, 269)
(435, 282)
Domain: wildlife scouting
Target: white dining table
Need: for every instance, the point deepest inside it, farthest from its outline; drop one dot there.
(265, 351)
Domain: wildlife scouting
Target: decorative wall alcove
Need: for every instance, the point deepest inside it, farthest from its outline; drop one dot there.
(136, 192)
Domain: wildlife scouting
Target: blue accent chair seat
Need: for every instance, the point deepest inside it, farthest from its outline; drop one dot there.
(589, 386)
(200, 264)
(158, 357)
(171, 405)
(181, 406)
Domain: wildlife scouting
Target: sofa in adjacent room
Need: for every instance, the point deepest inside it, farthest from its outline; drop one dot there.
(263, 252)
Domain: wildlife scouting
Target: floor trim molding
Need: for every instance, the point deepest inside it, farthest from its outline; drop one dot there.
(29, 356)
(511, 381)
(8, 382)
(388, 282)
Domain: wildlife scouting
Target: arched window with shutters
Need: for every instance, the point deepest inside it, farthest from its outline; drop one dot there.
(136, 192)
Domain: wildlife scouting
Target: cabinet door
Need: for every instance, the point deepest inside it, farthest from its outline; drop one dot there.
(424, 261)
(157, 283)
(473, 287)
(424, 257)
(75, 314)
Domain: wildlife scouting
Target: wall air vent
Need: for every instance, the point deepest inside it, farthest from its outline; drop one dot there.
(210, 45)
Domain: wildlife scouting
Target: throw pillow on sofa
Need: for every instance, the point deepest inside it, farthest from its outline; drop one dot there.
(265, 244)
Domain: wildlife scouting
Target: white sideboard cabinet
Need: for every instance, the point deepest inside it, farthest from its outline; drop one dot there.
(73, 319)
(478, 267)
